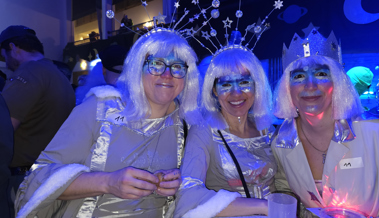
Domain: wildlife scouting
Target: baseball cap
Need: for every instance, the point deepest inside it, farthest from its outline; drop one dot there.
(113, 56)
(15, 31)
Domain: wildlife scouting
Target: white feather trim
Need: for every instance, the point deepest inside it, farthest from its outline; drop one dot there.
(103, 92)
(53, 183)
(214, 205)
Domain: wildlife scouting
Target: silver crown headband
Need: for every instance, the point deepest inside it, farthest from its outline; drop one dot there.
(313, 44)
(257, 28)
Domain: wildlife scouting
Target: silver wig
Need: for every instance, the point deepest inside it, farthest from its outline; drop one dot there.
(345, 100)
(161, 44)
(233, 61)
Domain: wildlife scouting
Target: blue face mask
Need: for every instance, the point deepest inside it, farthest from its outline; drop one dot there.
(318, 78)
(317, 75)
(157, 66)
(235, 82)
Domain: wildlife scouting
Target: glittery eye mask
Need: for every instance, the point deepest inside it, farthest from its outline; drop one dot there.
(240, 83)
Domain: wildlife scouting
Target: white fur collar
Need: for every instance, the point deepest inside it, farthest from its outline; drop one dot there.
(53, 183)
(103, 92)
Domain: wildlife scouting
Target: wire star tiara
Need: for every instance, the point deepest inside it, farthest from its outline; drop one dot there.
(160, 19)
(257, 28)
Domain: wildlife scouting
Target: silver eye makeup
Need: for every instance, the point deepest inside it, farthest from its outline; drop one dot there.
(318, 73)
(238, 82)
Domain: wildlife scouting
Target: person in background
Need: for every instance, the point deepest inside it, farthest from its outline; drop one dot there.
(3, 78)
(326, 153)
(38, 95)
(112, 59)
(6, 153)
(64, 68)
(126, 21)
(375, 110)
(118, 153)
(361, 77)
(126, 24)
(104, 70)
(237, 100)
(93, 36)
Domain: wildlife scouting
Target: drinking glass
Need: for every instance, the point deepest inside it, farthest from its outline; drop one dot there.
(281, 205)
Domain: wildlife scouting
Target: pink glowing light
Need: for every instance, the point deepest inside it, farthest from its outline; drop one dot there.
(330, 91)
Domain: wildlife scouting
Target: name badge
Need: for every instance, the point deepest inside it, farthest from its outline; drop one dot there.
(351, 163)
(116, 119)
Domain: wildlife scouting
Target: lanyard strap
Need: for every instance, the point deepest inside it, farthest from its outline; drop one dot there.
(237, 166)
(185, 130)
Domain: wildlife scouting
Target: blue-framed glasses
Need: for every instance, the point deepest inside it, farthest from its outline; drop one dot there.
(157, 68)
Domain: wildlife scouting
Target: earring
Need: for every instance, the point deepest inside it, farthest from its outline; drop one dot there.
(239, 119)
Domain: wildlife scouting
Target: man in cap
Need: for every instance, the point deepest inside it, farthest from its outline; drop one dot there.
(112, 59)
(104, 72)
(6, 152)
(38, 95)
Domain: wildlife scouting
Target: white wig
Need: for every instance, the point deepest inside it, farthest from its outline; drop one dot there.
(345, 100)
(160, 44)
(233, 61)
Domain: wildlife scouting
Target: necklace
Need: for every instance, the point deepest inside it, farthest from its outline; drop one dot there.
(323, 152)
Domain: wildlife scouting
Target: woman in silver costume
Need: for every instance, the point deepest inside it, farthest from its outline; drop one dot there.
(326, 153)
(118, 153)
(237, 99)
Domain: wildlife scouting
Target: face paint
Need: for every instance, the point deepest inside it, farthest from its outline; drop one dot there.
(311, 89)
(163, 89)
(320, 75)
(237, 82)
(235, 94)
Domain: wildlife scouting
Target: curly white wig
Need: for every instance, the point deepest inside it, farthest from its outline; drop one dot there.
(232, 61)
(345, 100)
(161, 44)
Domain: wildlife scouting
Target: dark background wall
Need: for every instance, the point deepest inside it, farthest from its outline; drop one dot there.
(357, 26)
(354, 22)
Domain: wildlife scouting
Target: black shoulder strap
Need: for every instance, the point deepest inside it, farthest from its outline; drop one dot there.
(237, 166)
(185, 130)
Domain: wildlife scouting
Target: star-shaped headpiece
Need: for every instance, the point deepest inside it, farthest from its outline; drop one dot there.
(236, 38)
(278, 4)
(161, 18)
(227, 23)
(205, 35)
